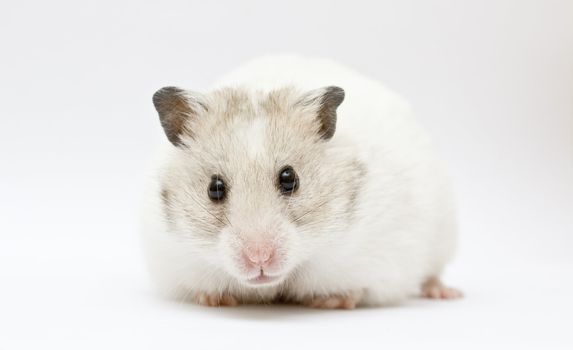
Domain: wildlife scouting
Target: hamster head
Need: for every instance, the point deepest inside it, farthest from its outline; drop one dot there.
(253, 185)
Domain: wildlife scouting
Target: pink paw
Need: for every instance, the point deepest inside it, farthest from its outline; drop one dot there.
(206, 299)
(435, 289)
(332, 302)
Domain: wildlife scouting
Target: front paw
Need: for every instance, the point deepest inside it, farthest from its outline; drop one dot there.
(207, 299)
(346, 302)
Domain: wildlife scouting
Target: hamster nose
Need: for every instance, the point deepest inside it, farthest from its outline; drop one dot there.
(259, 256)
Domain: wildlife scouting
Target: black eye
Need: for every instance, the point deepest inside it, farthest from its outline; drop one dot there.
(216, 189)
(288, 180)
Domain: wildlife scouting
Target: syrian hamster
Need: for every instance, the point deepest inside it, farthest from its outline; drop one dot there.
(296, 180)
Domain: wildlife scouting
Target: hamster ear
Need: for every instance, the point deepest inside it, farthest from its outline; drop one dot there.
(175, 107)
(325, 101)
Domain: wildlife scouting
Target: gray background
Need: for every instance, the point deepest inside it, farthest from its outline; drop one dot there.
(491, 80)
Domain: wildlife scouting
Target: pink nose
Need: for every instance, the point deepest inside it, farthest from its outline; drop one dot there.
(259, 255)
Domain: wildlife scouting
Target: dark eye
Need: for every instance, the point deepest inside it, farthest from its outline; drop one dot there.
(216, 189)
(288, 180)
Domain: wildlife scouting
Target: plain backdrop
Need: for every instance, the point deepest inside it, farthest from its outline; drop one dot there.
(491, 80)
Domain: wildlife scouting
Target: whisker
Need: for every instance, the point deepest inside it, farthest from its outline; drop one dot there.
(226, 218)
(224, 215)
(207, 210)
(311, 210)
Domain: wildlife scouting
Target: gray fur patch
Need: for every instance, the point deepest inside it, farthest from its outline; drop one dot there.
(359, 173)
(166, 199)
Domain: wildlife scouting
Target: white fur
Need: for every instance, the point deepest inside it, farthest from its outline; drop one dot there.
(253, 137)
(404, 230)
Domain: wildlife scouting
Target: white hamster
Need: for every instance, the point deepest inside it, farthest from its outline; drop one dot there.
(296, 180)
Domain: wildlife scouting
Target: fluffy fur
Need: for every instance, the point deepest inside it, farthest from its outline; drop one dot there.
(372, 221)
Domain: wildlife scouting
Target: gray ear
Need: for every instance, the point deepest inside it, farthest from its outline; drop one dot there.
(175, 107)
(326, 100)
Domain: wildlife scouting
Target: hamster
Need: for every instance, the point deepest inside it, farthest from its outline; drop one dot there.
(296, 180)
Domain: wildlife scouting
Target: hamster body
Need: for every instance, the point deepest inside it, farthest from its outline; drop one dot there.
(297, 180)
